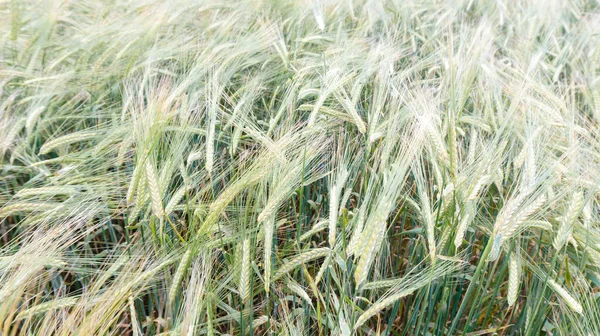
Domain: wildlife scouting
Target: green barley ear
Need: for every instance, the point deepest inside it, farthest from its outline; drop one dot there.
(567, 221)
(568, 298)
(26, 207)
(45, 307)
(155, 195)
(179, 274)
(465, 218)
(244, 283)
(67, 140)
(175, 199)
(269, 229)
(33, 118)
(427, 216)
(134, 322)
(512, 219)
(406, 286)
(214, 95)
(334, 203)
(514, 276)
(303, 257)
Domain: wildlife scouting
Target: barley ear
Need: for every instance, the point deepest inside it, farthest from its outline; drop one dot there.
(244, 287)
(465, 220)
(153, 186)
(269, 228)
(300, 259)
(514, 276)
(564, 294)
(175, 285)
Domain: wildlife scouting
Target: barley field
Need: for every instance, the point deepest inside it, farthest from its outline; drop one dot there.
(296, 167)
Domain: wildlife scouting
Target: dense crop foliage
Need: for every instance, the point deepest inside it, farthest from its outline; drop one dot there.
(333, 167)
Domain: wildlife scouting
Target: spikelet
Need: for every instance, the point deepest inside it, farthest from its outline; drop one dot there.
(349, 106)
(404, 287)
(269, 227)
(356, 239)
(477, 188)
(300, 259)
(244, 286)
(133, 184)
(505, 226)
(45, 307)
(209, 318)
(334, 196)
(562, 292)
(296, 289)
(67, 140)
(179, 274)
(323, 268)
(370, 242)
(135, 326)
(141, 201)
(152, 183)
(429, 224)
(517, 221)
(568, 219)
(465, 220)
(33, 117)
(373, 234)
(520, 158)
(514, 276)
(575, 207)
(124, 146)
(380, 305)
(194, 156)
(271, 207)
(446, 196)
(502, 221)
(210, 149)
(281, 191)
(214, 95)
(318, 15)
(26, 207)
(6, 141)
(452, 144)
(318, 227)
(498, 179)
(177, 196)
(472, 146)
(586, 214)
(438, 146)
(46, 191)
(596, 96)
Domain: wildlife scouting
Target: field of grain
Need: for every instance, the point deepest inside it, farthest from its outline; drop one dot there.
(299, 167)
